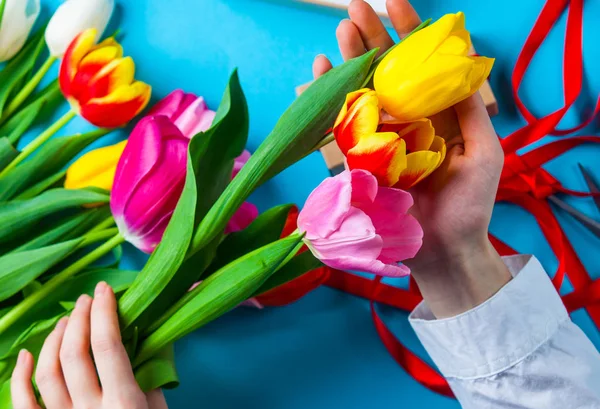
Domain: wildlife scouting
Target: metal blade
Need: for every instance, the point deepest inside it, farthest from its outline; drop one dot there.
(591, 224)
(592, 185)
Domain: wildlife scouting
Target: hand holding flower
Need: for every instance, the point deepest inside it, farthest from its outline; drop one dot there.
(457, 268)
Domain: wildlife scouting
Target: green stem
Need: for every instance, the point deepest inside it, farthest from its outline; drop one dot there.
(95, 235)
(28, 89)
(105, 224)
(20, 309)
(39, 141)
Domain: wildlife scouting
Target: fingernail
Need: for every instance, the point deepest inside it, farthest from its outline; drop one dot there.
(100, 288)
(21, 357)
(82, 301)
(321, 55)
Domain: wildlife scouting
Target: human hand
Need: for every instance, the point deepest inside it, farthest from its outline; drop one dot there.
(457, 268)
(66, 375)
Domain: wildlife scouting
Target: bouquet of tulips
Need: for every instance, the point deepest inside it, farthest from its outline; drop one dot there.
(178, 187)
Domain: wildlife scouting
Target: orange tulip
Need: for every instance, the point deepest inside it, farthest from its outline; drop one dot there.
(99, 82)
(397, 154)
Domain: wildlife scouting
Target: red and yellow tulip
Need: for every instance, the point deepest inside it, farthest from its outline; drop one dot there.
(397, 154)
(99, 82)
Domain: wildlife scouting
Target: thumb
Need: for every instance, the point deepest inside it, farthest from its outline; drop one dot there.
(321, 65)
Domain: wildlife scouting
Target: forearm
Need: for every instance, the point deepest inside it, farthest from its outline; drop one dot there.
(519, 348)
(461, 279)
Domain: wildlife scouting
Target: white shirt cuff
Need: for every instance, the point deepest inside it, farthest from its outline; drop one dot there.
(499, 333)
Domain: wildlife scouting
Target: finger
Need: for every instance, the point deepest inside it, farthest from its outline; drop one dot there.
(349, 40)
(48, 375)
(111, 358)
(156, 399)
(21, 389)
(370, 27)
(321, 65)
(77, 365)
(403, 16)
(480, 139)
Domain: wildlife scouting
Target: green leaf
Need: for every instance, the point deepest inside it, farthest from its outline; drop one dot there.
(7, 152)
(298, 130)
(21, 268)
(45, 101)
(297, 266)
(49, 159)
(211, 155)
(70, 228)
(2, 6)
(31, 288)
(56, 180)
(49, 308)
(5, 397)
(219, 293)
(158, 372)
(19, 217)
(265, 229)
(18, 68)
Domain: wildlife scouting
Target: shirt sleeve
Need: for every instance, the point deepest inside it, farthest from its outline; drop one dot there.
(519, 349)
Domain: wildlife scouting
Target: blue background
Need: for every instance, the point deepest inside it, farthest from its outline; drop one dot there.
(323, 352)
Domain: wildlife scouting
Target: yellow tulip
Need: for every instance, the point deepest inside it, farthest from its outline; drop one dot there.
(95, 169)
(430, 71)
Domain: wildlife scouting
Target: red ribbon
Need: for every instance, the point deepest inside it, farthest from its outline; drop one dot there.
(523, 182)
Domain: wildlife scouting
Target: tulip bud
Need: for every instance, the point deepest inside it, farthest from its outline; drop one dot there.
(73, 17)
(99, 83)
(350, 223)
(15, 25)
(430, 71)
(96, 168)
(149, 180)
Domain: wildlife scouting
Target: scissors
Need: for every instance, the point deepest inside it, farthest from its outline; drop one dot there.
(591, 224)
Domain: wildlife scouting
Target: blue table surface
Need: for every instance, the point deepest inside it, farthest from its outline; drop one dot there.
(323, 352)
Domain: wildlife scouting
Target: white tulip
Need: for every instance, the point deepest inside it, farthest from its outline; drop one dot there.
(74, 16)
(17, 21)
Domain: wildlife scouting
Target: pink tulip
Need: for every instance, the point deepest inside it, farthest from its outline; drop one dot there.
(150, 174)
(353, 224)
(149, 180)
(188, 112)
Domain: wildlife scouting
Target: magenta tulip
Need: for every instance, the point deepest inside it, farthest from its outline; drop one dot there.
(149, 180)
(150, 174)
(353, 224)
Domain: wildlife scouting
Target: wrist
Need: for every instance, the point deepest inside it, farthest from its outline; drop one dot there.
(459, 278)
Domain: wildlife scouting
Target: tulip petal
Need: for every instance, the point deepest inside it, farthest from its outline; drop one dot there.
(419, 165)
(382, 153)
(96, 168)
(358, 117)
(239, 162)
(401, 233)
(99, 81)
(440, 83)
(195, 118)
(74, 16)
(355, 235)
(168, 105)
(16, 24)
(242, 218)
(418, 135)
(326, 207)
(481, 71)
(367, 266)
(364, 188)
(118, 107)
(414, 51)
(77, 50)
